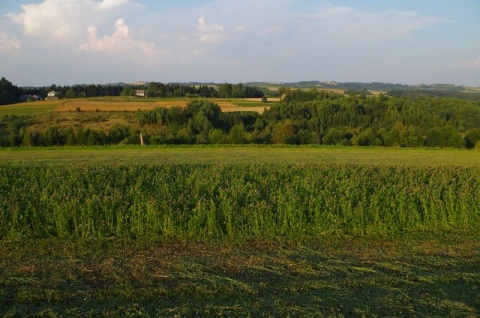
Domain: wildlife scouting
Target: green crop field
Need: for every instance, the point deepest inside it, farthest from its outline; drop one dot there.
(30, 108)
(239, 231)
(231, 154)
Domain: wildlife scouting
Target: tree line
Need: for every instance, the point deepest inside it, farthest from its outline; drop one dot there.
(303, 117)
(10, 93)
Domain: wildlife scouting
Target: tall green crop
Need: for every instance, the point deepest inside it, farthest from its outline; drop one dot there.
(233, 202)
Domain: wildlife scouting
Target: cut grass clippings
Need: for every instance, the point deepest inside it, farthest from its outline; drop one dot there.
(428, 275)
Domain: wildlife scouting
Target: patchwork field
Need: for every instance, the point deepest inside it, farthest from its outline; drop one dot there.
(227, 105)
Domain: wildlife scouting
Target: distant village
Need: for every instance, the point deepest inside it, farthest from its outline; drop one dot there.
(52, 95)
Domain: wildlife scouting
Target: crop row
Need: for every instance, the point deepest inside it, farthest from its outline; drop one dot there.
(233, 202)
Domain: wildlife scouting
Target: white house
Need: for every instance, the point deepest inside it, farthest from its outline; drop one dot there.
(51, 95)
(140, 93)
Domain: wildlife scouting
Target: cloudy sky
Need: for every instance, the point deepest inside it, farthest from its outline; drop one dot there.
(45, 42)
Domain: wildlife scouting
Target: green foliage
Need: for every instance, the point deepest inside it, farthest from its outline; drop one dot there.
(236, 135)
(304, 117)
(228, 90)
(285, 134)
(70, 93)
(472, 138)
(9, 93)
(444, 137)
(233, 202)
(128, 90)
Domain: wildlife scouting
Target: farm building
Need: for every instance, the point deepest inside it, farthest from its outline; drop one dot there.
(140, 93)
(51, 95)
(29, 98)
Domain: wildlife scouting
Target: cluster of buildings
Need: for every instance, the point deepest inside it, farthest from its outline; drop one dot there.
(33, 97)
(52, 96)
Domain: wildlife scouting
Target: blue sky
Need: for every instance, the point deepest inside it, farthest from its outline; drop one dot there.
(104, 41)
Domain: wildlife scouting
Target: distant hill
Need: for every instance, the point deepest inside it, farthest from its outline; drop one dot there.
(400, 90)
(434, 90)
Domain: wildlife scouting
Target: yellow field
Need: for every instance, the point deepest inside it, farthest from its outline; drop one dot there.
(91, 106)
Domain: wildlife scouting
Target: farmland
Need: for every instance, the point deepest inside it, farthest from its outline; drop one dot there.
(239, 231)
(126, 104)
(31, 108)
(231, 154)
(302, 118)
(120, 104)
(230, 230)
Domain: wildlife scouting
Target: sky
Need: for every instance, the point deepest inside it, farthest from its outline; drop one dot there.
(67, 42)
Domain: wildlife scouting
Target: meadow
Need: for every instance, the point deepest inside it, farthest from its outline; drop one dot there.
(239, 154)
(239, 231)
(29, 108)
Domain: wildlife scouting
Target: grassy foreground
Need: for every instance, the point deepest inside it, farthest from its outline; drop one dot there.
(425, 263)
(406, 276)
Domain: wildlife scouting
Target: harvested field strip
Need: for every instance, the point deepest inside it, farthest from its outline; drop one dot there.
(421, 276)
(89, 106)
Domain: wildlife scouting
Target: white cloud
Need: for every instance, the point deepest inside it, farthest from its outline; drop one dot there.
(52, 19)
(8, 44)
(75, 24)
(119, 43)
(471, 64)
(250, 38)
(108, 4)
(342, 23)
(210, 34)
(63, 20)
(318, 20)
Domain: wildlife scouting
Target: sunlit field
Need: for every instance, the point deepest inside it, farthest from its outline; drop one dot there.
(123, 104)
(29, 108)
(239, 231)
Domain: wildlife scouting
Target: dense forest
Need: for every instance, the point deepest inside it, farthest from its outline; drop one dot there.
(303, 117)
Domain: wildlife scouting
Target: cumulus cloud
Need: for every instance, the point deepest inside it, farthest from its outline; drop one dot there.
(76, 24)
(62, 20)
(213, 33)
(120, 42)
(52, 19)
(108, 4)
(259, 36)
(8, 44)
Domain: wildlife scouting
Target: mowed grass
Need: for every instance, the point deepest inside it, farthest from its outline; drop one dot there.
(244, 154)
(408, 276)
